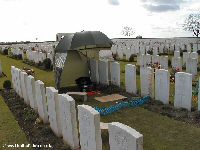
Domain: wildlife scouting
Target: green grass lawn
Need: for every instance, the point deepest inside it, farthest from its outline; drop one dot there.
(159, 132)
(10, 131)
(47, 77)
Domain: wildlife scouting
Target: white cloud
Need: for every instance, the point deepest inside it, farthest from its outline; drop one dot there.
(113, 2)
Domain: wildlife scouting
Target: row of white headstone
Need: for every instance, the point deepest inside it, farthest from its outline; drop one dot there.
(128, 50)
(42, 46)
(60, 111)
(189, 59)
(37, 57)
(183, 82)
(146, 60)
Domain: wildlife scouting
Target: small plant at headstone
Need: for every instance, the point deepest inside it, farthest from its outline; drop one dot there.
(181, 53)
(150, 52)
(169, 62)
(115, 56)
(131, 59)
(138, 70)
(47, 63)
(5, 51)
(7, 85)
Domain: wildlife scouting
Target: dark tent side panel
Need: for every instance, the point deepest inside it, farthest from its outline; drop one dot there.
(75, 66)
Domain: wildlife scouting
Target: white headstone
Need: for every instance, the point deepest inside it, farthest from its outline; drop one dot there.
(189, 48)
(31, 92)
(122, 137)
(140, 60)
(23, 80)
(41, 100)
(130, 79)
(195, 47)
(115, 73)
(94, 70)
(89, 128)
(148, 59)
(142, 49)
(194, 55)
(176, 63)
(147, 81)
(156, 59)
(183, 90)
(103, 72)
(186, 55)
(176, 53)
(18, 82)
(54, 111)
(164, 62)
(69, 122)
(191, 66)
(13, 77)
(161, 48)
(162, 83)
(155, 51)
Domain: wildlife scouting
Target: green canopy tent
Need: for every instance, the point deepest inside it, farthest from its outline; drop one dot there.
(72, 54)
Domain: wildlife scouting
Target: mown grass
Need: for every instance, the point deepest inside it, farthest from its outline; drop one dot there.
(46, 76)
(10, 131)
(160, 132)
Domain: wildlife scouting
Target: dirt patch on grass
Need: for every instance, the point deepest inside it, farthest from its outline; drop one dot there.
(36, 132)
(169, 110)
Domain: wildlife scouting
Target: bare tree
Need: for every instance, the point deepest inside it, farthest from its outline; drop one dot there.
(192, 23)
(127, 31)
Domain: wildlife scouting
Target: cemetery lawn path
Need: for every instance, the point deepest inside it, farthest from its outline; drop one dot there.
(10, 131)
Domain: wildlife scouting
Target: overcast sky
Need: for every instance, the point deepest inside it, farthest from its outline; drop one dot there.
(42, 19)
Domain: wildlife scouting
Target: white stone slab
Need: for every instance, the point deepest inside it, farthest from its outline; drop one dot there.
(23, 80)
(115, 73)
(164, 62)
(186, 55)
(189, 48)
(195, 47)
(191, 66)
(177, 63)
(142, 49)
(103, 72)
(156, 59)
(130, 79)
(194, 55)
(176, 53)
(162, 83)
(148, 59)
(69, 122)
(123, 137)
(54, 111)
(155, 51)
(18, 82)
(13, 78)
(31, 92)
(41, 100)
(183, 90)
(94, 70)
(147, 81)
(89, 128)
